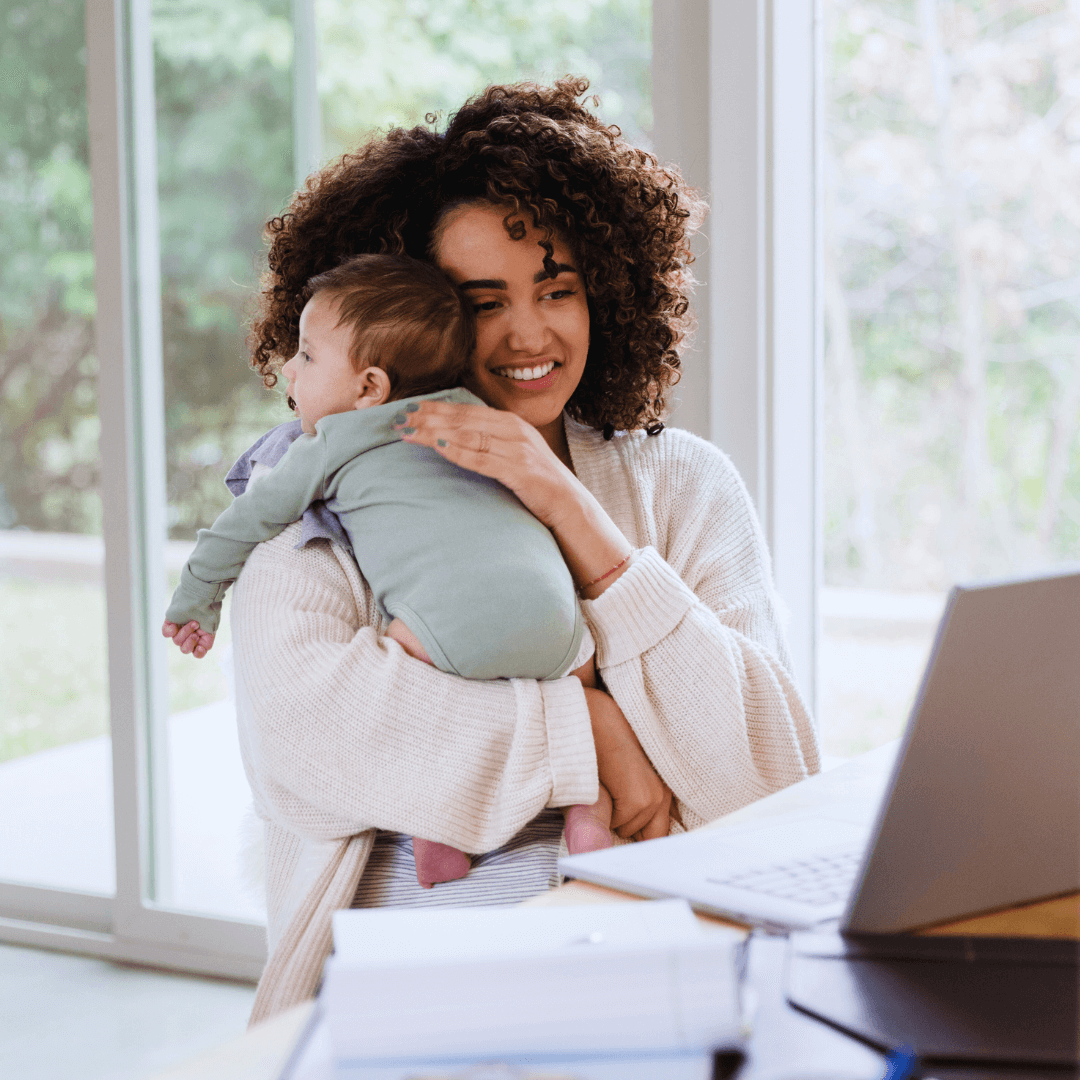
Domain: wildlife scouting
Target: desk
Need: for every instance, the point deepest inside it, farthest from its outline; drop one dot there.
(785, 1043)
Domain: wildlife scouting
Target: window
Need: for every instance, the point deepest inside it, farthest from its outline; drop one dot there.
(54, 710)
(952, 363)
(223, 88)
(887, 347)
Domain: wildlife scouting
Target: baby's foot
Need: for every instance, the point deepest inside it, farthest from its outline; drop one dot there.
(438, 862)
(585, 831)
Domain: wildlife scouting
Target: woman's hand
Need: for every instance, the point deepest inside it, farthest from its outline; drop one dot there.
(500, 445)
(508, 449)
(642, 800)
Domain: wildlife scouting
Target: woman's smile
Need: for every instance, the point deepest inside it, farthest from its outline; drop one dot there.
(532, 375)
(532, 315)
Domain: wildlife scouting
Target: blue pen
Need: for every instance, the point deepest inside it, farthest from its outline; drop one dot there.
(901, 1064)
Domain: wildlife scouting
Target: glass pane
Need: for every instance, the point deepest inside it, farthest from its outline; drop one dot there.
(223, 82)
(384, 62)
(952, 304)
(56, 825)
(224, 78)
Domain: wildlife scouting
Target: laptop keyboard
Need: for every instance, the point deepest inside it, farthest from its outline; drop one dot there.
(818, 879)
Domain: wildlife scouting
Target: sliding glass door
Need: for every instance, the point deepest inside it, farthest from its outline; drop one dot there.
(147, 144)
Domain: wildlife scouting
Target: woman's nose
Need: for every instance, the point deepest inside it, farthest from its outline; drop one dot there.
(528, 330)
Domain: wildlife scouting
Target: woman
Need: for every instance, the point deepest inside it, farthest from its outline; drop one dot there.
(573, 248)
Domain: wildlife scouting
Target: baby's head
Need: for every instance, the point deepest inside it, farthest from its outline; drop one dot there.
(377, 328)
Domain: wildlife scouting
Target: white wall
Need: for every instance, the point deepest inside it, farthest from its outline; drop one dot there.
(735, 105)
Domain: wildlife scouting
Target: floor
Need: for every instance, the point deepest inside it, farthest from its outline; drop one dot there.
(71, 1016)
(65, 1016)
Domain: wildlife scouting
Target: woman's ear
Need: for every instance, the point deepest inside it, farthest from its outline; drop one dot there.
(373, 387)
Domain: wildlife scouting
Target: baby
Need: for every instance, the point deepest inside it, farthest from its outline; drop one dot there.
(473, 583)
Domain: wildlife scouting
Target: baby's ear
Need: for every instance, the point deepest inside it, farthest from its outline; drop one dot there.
(373, 388)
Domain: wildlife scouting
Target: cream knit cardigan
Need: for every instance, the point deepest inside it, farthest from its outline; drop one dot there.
(342, 732)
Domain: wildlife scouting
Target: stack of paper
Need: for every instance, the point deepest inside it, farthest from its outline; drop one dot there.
(554, 987)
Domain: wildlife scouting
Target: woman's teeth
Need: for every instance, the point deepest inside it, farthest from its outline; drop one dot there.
(527, 374)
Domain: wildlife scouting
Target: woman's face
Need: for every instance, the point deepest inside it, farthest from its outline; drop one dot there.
(532, 330)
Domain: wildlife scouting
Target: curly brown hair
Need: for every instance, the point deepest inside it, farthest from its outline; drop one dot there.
(538, 151)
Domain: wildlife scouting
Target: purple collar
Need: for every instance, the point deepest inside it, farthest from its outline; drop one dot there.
(318, 523)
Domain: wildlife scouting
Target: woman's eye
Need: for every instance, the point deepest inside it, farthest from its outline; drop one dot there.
(486, 305)
(560, 294)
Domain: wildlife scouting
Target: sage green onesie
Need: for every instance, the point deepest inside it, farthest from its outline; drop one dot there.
(454, 555)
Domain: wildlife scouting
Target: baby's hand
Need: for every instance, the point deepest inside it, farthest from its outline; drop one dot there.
(189, 637)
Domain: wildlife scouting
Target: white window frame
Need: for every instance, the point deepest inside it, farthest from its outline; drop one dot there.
(130, 926)
(735, 103)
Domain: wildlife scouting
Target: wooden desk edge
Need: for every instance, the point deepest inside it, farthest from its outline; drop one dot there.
(1058, 917)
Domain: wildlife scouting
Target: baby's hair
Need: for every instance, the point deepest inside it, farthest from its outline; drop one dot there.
(406, 318)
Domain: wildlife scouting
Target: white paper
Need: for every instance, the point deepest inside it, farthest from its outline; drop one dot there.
(315, 1061)
(464, 983)
(379, 937)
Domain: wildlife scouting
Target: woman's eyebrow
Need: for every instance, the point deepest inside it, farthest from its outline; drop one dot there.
(483, 283)
(499, 283)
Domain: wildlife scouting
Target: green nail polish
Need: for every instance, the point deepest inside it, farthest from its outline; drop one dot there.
(441, 442)
(400, 418)
(408, 431)
(412, 407)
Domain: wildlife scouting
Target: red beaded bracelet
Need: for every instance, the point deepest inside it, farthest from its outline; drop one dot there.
(596, 581)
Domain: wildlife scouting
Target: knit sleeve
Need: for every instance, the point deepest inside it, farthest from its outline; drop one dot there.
(689, 641)
(277, 497)
(342, 731)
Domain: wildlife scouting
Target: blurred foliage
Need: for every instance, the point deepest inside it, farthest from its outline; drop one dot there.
(384, 62)
(953, 245)
(952, 289)
(223, 82)
(48, 410)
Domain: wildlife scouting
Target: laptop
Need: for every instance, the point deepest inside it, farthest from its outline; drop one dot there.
(980, 811)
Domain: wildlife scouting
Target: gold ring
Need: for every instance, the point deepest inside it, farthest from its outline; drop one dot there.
(485, 442)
